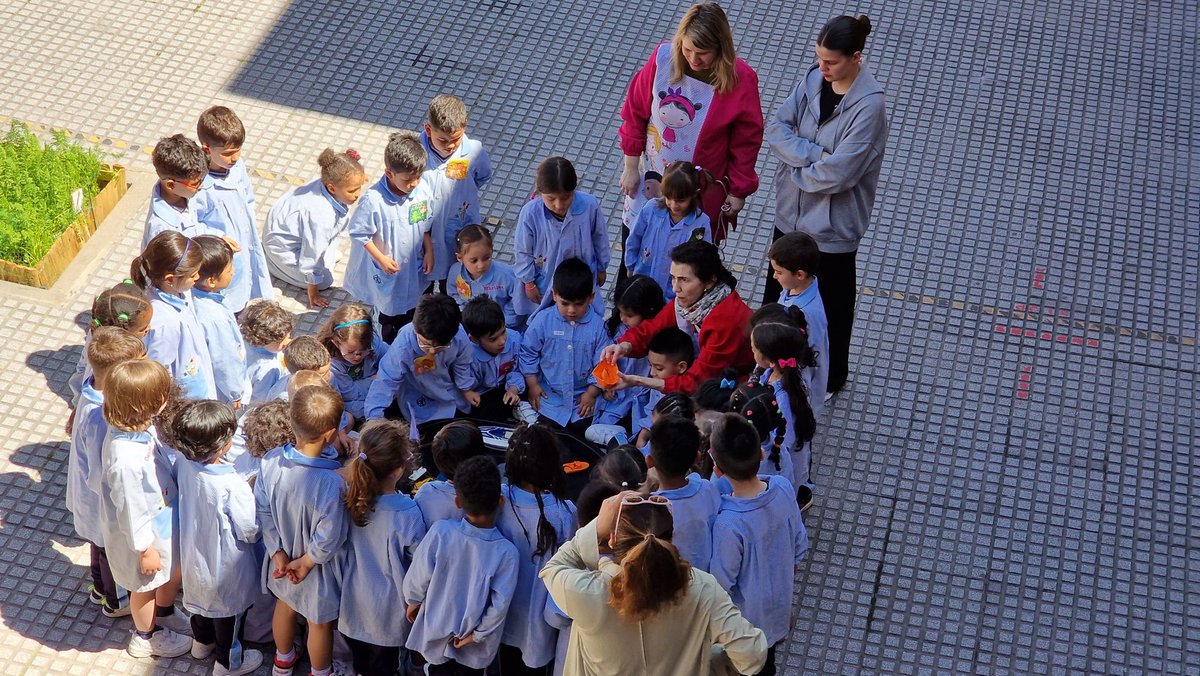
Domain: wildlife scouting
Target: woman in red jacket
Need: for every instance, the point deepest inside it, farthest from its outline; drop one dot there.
(694, 100)
(707, 308)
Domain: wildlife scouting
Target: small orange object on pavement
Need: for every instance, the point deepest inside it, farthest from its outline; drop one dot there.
(575, 466)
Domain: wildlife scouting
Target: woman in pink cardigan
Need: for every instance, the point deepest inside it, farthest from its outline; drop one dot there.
(694, 100)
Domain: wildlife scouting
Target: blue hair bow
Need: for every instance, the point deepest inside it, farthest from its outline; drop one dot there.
(727, 384)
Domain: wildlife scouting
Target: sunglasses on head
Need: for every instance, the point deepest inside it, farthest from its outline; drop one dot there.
(656, 500)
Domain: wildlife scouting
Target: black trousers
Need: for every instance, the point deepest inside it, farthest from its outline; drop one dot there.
(838, 282)
(769, 668)
(373, 660)
(492, 407)
(511, 664)
(390, 325)
(102, 578)
(452, 668)
(771, 288)
(225, 632)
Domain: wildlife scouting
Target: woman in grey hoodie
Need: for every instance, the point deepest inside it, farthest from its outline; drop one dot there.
(829, 136)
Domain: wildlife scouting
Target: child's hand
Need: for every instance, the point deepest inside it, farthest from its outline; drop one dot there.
(279, 562)
(587, 403)
(341, 441)
(536, 395)
(532, 293)
(70, 422)
(601, 277)
(472, 397)
(464, 640)
(427, 262)
(411, 612)
(232, 244)
(610, 395)
(315, 300)
(643, 438)
(389, 265)
(236, 404)
(150, 562)
(512, 397)
(298, 570)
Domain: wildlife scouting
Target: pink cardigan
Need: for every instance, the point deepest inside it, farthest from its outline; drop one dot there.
(729, 140)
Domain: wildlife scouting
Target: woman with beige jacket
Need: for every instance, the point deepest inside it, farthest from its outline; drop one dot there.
(639, 608)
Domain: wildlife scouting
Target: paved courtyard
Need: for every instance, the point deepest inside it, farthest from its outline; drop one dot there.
(1009, 483)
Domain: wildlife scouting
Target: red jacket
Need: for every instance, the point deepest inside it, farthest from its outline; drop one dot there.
(729, 140)
(724, 342)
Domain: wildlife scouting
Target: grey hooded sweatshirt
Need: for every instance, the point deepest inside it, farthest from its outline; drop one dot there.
(825, 184)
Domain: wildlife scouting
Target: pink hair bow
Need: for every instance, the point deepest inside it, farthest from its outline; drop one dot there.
(787, 363)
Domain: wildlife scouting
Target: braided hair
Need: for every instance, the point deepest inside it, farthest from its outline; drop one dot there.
(786, 347)
(758, 405)
(121, 306)
(535, 458)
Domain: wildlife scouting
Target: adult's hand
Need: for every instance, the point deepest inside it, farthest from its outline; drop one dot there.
(614, 352)
(631, 177)
(733, 205)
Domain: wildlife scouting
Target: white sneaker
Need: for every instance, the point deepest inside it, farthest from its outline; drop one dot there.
(829, 396)
(340, 669)
(164, 643)
(202, 651)
(251, 661)
(178, 623)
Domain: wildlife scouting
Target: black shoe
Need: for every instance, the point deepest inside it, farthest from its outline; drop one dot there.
(804, 498)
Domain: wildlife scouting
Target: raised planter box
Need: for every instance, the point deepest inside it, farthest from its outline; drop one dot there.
(46, 273)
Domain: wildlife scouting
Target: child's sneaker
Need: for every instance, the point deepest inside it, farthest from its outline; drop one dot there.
(202, 651)
(95, 596)
(164, 643)
(337, 669)
(281, 668)
(110, 612)
(176, 622)
(251, 661)
(804, 498)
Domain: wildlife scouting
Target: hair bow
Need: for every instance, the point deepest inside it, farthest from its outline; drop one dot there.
(787, 363)
(727, 384)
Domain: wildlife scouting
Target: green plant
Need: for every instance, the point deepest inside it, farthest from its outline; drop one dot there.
(36, 183)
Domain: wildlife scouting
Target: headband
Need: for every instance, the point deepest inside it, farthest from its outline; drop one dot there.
(356, 322)
(187, 245)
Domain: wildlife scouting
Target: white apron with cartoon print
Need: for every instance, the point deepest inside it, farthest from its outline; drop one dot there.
(677, 114)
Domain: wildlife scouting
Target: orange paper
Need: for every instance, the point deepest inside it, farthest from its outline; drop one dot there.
(574, 466)
(606, 374)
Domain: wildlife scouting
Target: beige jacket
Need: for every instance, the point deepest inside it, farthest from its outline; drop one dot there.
(677, 641)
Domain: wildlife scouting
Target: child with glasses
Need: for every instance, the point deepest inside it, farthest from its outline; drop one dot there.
(356, 350)
(182, 168)
(427, 369)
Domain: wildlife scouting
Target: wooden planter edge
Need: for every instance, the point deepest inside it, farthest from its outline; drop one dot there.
(63, 251)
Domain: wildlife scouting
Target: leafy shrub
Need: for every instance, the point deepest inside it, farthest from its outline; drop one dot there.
(36, 183)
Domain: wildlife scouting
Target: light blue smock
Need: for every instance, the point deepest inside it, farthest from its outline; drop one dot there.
(543, 241)
(301, 228)
(816, 377)
(264, 370)
(218, 530)
(136, 512)
(694, 506)
(757, 544)
(654, 235)
(464, 578)
(354, 381)
(498, 371)
(227, 206)
(300, 510)
(526, 628)
(436, 501)
(430, 395)
(397, 224)
(500, 284)
(225, 344)
(372, 567)
(85, 470)
(562, 355)
(177, 342)
(162, 216)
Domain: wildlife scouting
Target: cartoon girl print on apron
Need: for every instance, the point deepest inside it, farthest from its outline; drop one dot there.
(677, 114)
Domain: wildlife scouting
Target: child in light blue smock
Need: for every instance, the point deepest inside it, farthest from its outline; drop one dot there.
(218, 531)
(794, 259)
(386, 529)
(758, 535)
(267, 329)
(108, 347)
(125, 306)
(391, 252)
(537, 518)
(462, 577)
(561, 347)
(665, 223)
(476, 273)
(563, 223)
(499, 383)
(674, 450)
(137, 490)
(168, 269)
(176, 197)
(303, 224)
(355, 350)
(781, 350)
(227, 205)
(454, 443)
(636, 299)
(299, 499)
(428, 367)
(221, 331)
(457, 169)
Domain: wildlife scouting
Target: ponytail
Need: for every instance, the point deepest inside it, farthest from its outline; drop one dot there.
(653, 576)
(534, 458)
(168, 253)
(383, 447)
(547, 537)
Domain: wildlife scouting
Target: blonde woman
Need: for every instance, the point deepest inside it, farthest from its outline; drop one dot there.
(694, 100)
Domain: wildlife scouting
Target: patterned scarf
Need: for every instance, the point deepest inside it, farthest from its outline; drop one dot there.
(698, 312)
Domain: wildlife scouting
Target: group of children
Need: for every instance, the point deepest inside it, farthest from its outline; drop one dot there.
(213, 452)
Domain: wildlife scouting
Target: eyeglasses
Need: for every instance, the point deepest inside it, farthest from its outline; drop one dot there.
(194, 185)
(656, 500)
(356, 354)
(430, 348)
